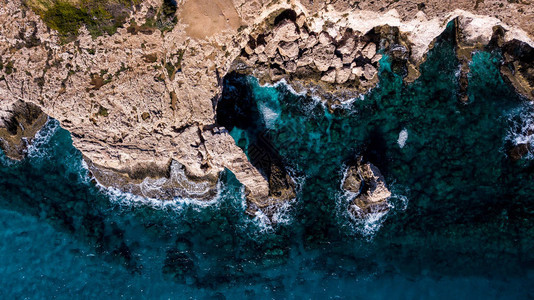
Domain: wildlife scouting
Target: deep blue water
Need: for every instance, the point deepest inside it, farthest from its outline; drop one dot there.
(460, 225)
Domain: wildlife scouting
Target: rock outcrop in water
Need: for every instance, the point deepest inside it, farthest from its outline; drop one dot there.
(368, 187)
(143, 99)
(19, 122)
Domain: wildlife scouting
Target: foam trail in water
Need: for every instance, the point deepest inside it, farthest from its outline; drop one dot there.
(403, 136)
(128, 200)
(269, 115)
(310, 92)
(38, 148)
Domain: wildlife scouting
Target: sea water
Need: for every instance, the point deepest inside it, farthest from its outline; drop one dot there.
(460, 223)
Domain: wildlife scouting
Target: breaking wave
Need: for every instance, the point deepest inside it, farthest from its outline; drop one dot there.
(40, 148)
(372, 222)
(521, 127)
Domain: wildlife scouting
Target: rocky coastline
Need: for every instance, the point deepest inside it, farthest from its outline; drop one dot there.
(141, 102)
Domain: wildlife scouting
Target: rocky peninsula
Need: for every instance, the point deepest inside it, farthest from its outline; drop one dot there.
(137, 83)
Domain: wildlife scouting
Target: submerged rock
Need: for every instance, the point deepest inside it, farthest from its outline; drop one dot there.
(150, 181)
(518, 151)
(365, 181)
(518, 66)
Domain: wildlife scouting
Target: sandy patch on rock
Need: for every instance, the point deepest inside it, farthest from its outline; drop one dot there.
(208, 17)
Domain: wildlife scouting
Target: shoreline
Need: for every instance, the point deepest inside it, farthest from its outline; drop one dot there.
(126, 107)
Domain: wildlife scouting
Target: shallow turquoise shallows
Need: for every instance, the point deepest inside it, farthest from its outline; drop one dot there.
(460, 224)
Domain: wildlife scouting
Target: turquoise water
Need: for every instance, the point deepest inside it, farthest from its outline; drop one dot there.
(460, 225)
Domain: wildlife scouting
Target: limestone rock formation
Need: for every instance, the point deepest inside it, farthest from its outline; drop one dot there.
(164, 184)
(368, 187)
(282, 188)
(309, 59)
(19, 122)
(516, 152)
(329, 46)
(518, 64)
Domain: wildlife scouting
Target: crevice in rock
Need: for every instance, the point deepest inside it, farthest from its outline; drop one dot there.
(237, 109)
(18, 125)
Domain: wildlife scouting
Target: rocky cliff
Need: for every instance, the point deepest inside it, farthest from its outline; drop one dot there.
(138, 91)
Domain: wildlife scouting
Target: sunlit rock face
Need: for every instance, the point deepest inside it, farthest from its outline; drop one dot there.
(336, 67)
(368, 188)
(19, 122)
(170, 183)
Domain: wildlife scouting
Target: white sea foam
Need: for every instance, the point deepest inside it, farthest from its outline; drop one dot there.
(371, 223)
(283, 213)
(84, 172)
(127, 200)
(305, 92)
(367, 226)
(458, 71)
(43, 137)
(521, 130)
(347, 104)
(284, 83)
(310, 92)
(269, 115)
(182, 185)
(262, 222)
(403, 136)
(282, 216)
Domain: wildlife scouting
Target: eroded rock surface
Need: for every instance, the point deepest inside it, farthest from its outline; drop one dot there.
(517, 66)
(340, 59)
(334, 67)
(163, 184)
(368, 188)
(19, 122)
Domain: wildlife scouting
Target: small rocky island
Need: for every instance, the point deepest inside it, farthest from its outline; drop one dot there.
(367, 187)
